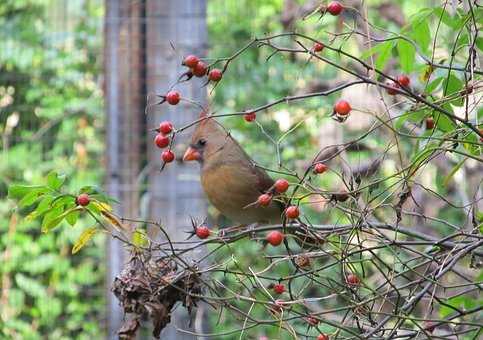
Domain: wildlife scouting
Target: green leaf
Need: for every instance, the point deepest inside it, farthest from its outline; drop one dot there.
(42, 208)
(384, 53)
(434, 84)
(417, 116)
(442, 121)
(54, 180)
(453, 171)
(30, 286)
(463, 40)
(448, 20)
(420, 29)
(472, 146)
(30, 198)
(407, 54)
(479, 43)
(420, 157)
(51, 217)
(84, 238)
(453, 85)
(16, 191)
(64, 200)
(72, 217)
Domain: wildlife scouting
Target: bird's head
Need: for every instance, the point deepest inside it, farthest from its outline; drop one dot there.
(208, 139)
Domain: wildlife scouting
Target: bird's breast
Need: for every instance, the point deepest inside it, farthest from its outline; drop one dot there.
(231, 188)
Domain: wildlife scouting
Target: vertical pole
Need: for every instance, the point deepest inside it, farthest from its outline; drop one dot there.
(175, 193)
(124, 87)
(114, 251)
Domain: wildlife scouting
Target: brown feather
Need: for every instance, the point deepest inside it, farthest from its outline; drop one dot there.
(230, 178)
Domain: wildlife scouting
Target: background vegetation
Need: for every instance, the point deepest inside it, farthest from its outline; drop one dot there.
(51, 118)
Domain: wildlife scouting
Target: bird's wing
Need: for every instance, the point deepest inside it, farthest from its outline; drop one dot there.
(264, 181)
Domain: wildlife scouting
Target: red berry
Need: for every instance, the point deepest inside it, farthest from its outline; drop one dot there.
(318, 47)
(161, 140)
(335, 8)
(83, 199)
(429, 123)
(264, 200)
(312, 321)
(342, 107)
(481, 132)
(292, 212)
(320, 168)
(403, 80)
(191, 61)
(173, 97)
(323, 337)
(165, 127)
(279, 288)
(200, 69)
(167, 156)
(215, 75)
(275, 237)
(202, 232)
(352, 279)
(250, 116)
(281, 185)
(392, 89)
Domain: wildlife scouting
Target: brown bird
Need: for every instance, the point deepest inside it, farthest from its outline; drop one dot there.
(231, 180)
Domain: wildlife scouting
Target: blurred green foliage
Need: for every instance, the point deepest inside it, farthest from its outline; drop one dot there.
(51, 118)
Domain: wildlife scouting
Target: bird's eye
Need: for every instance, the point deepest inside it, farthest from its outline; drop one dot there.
(201, 142)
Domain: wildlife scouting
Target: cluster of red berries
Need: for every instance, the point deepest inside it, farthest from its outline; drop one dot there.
(280, 186)
(199, 69)
(162, 140)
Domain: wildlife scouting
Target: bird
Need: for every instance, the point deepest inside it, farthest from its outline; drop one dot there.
(230, 179)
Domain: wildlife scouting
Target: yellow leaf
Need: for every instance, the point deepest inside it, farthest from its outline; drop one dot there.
(427, 73)
(84, 238)
(113, 219)
(140, 238)
(102, 206)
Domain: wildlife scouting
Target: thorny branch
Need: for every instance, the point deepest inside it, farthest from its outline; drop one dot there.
(410, 281)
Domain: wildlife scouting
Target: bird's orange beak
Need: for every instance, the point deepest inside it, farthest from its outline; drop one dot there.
(191, 155)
